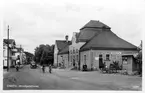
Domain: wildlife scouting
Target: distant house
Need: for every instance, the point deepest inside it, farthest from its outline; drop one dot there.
(61, 52)
(63, 55)
(12, 51)
(21, 54)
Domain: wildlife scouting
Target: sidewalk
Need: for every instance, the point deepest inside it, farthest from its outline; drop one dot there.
(121, 81)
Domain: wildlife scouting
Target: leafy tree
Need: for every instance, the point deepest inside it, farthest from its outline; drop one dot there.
(44, 54)
(29, 57)
(139, 58)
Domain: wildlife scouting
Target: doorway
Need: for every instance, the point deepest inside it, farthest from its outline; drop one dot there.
(100, 61)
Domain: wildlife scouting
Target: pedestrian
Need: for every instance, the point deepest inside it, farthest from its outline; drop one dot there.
(17, 67)
(43, 69)
(50, 68)
(18, 60)
(17, 64)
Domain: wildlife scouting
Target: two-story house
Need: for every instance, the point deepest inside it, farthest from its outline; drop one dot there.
(12, 51)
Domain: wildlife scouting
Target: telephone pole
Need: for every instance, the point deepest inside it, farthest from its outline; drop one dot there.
(8, 50)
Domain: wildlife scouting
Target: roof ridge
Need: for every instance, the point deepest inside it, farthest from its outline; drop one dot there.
(94, 24)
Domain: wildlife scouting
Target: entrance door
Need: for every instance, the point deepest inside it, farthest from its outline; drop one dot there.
(100, 61)
(73, 62)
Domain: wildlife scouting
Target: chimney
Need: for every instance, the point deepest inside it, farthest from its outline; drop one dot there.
(66, 38)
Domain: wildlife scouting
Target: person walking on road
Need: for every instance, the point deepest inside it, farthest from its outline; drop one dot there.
(50, 68)
(43, 69)
(17, 63)
(17, 67)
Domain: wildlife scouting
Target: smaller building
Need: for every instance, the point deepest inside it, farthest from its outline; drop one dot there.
(59, 46)
(20, 53)
(64, 57)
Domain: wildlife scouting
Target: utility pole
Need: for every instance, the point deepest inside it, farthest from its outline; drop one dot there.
(8, 50)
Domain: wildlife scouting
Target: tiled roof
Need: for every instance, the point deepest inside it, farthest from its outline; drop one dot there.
(64, 50)
(10, 41)
(61, 44)
(95, 24)
(92, 28)
(86, 35)
(108, 40)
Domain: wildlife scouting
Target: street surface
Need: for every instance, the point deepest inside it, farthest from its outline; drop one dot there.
(61, 79)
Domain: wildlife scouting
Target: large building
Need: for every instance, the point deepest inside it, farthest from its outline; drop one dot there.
(95, 44)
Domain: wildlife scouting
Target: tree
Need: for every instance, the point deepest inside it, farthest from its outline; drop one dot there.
(138, 58)
(44, 54)
(29, 57)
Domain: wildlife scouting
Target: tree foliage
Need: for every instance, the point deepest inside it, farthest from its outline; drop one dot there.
(44, 54)
(29, 57)
(138, 58)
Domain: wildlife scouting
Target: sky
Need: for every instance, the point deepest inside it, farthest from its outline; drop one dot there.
(35, 22)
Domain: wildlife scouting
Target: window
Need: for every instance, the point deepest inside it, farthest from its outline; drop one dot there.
(71, 59)
(124, 59)
(107, 57)
(77, 51)
(77, 57)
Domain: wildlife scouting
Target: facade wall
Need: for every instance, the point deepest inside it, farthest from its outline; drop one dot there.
(55, 55)
(85, 59)
(92, 57)
(74, 52)
(5, 57)
(129, 66)
(59, 60)
(63, 60)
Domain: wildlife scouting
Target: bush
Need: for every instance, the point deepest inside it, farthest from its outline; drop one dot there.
(114, 67)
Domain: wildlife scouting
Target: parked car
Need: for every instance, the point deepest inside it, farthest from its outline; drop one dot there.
(33, 65)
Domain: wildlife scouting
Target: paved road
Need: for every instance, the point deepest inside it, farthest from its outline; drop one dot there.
(34, 79)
